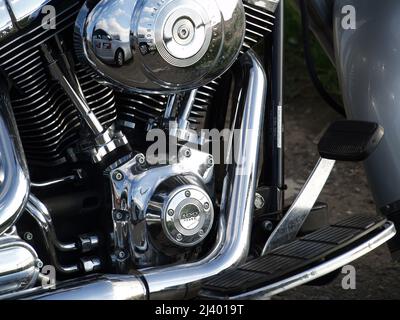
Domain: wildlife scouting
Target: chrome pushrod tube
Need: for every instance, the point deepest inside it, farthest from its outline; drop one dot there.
(239, 190)
(14, 176)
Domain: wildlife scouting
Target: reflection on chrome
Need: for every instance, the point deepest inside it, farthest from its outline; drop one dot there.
(161, 46)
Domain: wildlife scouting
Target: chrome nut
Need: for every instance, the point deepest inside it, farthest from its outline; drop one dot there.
(88, 242)
(92, 264)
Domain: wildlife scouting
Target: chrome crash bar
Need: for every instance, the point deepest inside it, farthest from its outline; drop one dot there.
(231, 249)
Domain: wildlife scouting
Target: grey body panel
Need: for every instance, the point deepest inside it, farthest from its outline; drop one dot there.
(368, 63)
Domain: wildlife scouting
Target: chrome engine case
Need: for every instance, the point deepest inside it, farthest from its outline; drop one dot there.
(134, 186)
(19, 267)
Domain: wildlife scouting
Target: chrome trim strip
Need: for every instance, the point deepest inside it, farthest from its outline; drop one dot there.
(322, 269)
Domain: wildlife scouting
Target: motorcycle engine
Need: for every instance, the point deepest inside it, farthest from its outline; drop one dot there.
(86, 93)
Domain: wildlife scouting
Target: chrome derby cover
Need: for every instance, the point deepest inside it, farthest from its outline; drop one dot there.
(160, 45)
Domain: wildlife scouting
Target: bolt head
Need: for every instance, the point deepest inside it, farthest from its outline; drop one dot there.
(259, 201)
(179, 237)
(188, 194)
(210, 162)
(39, 264)
(171, 212)
(28, 236)
(118, 176)
(268, 226)
(206, 206)
(141, 160)
(121, 255)
(188, 153)
(201, 233)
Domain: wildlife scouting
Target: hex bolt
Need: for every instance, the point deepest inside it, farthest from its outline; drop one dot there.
(206, 206)
(188, 194)
(118, 176)
(210, 162)
(259, 201)
(28, 236)
(188, 153)
(201, 233)
(171, 212)
(268, 226)
(119, 216)
(179, 237)
(121, 255)
(39, 264)
(141, 160)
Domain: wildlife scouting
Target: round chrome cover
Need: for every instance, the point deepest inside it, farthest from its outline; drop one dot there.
(161, 45)
(188, 216)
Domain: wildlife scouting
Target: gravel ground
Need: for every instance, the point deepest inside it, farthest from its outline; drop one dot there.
(346, 192)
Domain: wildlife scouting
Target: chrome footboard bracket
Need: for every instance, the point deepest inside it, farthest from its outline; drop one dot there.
(303, 260)
(297, 214)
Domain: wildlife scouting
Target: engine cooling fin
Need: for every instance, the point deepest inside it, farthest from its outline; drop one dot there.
(259, 24)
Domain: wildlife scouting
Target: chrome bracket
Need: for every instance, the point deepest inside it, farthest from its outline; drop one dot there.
(297, 214)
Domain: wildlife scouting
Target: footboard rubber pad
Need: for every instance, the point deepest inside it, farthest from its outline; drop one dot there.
(295, 256)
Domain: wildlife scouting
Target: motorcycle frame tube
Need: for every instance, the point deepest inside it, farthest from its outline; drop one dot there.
(14, 175)
(273, 150)
(368, 62)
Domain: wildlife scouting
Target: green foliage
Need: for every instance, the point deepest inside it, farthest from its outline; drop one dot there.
(297, 78)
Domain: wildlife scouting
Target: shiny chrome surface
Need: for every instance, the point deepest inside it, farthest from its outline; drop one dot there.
(322, 269)
(6, 24)
(235, 223)
(238, 198)
(19, 264)
(290, 225)
(269, 5)
(106, 140)
(186, 215)
(47, 119)
(78, 175)
(86, 243)
(25, 11)
(134, 184)
(105, 287)
(16, 14)
(42, 216)
(14, 176)
(170, 45)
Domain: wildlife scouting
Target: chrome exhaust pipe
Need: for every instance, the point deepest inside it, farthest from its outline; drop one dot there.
(177, 282)
(14, 176)
(232, 247)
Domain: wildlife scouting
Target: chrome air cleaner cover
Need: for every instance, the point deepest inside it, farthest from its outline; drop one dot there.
(166, 45)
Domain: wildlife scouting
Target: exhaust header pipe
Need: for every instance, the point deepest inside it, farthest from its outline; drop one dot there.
(231, 249)
(14, 176)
